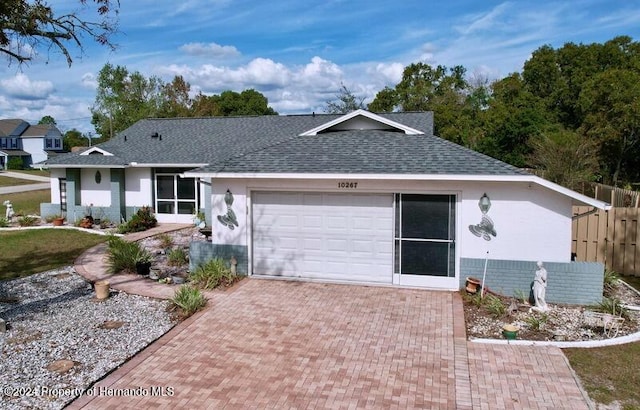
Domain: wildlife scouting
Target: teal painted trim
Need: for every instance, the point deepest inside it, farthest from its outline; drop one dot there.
(73, 188)
(201, 252)
(118, 193)
(47, 210)
(579, 283)
(207, 205)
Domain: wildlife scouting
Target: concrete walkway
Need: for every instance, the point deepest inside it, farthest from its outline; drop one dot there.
(21, 175)
(281, 344)
(43, 183)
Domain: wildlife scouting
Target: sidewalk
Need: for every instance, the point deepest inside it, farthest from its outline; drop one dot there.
(43, 183)
(28, 177)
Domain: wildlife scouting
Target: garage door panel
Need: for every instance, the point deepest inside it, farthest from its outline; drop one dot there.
(312, 244)
(336, 236)
(310, 222)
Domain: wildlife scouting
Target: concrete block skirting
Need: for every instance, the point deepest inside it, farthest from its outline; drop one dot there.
(201, 252)
(577, 283)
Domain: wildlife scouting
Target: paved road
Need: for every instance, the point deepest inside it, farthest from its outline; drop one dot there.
(43, 183)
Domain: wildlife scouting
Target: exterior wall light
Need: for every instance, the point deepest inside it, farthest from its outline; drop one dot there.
(484, 203)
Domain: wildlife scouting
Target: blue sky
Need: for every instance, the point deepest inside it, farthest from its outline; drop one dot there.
(298, 53)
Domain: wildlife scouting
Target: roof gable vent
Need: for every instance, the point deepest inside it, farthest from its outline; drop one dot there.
(361, 120)
(97, 151)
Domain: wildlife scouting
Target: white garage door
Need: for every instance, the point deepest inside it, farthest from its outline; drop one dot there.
(345, 237)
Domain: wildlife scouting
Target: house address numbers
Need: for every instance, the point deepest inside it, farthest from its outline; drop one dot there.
(347, 185)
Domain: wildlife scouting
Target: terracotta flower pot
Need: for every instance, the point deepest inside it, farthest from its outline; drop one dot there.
(58, 221)
(472, 285)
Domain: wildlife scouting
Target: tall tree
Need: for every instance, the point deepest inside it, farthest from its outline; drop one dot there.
(26, 26)
(176, 101)
(345, 102)
(557, 76)
(610, 102)
(205, 106)
(248, 102)
(566, 157)
(514, 115)
(47, 120)
(385, 100)
(425, 88)
(123, 98)
(73, 138)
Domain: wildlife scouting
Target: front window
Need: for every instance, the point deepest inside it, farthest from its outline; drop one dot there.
(176, 195)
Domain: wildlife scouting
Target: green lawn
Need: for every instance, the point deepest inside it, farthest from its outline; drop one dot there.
(26, 203)
(8, 181)
(610, 373)
(31, 251)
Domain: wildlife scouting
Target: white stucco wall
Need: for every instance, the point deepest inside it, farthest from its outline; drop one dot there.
(92, 192)
(55, 175)
(222, 234)
(532, 222)
(35, 147)
(138, 187)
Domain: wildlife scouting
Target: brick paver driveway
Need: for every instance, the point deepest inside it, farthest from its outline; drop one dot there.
(278, 344)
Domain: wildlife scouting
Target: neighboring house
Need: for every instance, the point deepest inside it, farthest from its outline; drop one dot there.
(362, 198)
(30, 143)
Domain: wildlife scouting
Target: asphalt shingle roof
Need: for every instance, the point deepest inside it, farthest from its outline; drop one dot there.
(271, 144)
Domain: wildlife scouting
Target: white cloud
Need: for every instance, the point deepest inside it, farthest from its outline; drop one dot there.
(21, 87)
(484, 21)
(210, 50)
(89, 80)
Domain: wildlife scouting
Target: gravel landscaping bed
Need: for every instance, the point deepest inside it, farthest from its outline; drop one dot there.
(60, 339)
(561, 322)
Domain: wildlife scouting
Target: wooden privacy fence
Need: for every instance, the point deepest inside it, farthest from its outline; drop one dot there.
(608, 237)
(617, 197)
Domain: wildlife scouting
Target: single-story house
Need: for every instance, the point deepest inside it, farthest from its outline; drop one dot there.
(30, 143)
(362, 197)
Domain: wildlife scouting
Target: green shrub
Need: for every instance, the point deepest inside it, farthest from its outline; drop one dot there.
(4, 222)
(142, 220)
(474, 299)
(536, 322)
(177, 257)
(612, 306)
(494, 305)
(166, 241)
(189, 299)
(611, 280)
(27, 220)
(15, 163)
(521, 295)
(212, 274)
(123, 255)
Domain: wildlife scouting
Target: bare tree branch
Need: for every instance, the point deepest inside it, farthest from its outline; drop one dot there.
(34, 23)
